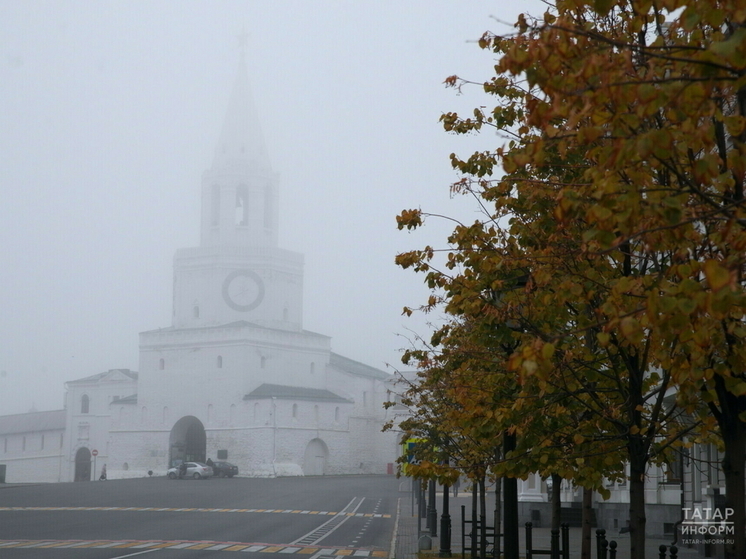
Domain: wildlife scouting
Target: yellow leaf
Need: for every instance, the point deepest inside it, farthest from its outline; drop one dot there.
(631, 329)
(717, 276)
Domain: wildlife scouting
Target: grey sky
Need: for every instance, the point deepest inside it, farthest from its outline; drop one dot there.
(109, 114)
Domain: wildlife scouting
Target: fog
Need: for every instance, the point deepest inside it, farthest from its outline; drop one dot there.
(110, 112)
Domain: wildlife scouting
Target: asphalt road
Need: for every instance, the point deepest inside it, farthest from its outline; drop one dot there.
(313, 517)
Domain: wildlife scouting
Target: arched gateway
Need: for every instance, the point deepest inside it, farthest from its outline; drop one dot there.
(315, 458)
(188, 441)
(83, 465)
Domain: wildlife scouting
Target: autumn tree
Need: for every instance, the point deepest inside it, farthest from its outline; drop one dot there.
(646, 99)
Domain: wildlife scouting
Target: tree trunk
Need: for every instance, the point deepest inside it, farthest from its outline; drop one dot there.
(510, 495)
(498, 515)
(474, 532)
(556, 501)
(637, 519)
(586, 529)
(734, 439)
(482, 519)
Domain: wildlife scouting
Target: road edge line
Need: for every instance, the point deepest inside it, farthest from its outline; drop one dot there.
(392, 552)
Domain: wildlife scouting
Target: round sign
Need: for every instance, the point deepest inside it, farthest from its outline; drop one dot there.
(95, 452)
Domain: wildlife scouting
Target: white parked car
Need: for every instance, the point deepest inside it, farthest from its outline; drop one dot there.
(196, 470)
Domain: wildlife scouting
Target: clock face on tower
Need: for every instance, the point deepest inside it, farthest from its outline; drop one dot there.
(243, 290)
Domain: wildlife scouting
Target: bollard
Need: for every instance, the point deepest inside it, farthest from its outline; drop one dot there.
(600, 538)
(554, 541)
(529, 542)
(612, 549)
(565, 541)
(425, 543)
(662, 552)
(674, 551)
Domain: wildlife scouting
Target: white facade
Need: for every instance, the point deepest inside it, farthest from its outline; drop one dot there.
(235, 376)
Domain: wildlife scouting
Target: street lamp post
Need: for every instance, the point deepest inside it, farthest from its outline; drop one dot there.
(432, 512)
(445, 526)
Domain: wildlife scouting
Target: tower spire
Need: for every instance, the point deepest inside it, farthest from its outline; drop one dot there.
(243, 41)
(241, 143)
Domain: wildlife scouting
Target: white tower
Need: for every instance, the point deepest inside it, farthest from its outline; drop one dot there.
(238, 272)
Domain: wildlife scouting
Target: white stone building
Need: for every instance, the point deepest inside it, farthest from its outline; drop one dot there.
(235, 376)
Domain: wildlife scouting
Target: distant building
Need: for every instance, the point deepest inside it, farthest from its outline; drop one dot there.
(235, 376)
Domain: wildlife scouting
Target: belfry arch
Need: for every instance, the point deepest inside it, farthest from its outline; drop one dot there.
(188, 441)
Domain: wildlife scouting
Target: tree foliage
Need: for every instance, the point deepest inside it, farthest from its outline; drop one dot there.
(606, 279)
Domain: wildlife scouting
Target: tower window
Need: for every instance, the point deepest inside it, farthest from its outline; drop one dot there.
(84, 403)
(242, 206)
(295, 411)
(220, 362)
(195, 311)
(263, 362)
(161, 364)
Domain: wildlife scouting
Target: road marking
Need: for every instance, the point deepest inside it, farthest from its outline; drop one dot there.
(138, 553)
(315, 552)
(152, 509)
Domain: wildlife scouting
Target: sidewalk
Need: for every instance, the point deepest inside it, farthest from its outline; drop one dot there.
(407, 538)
